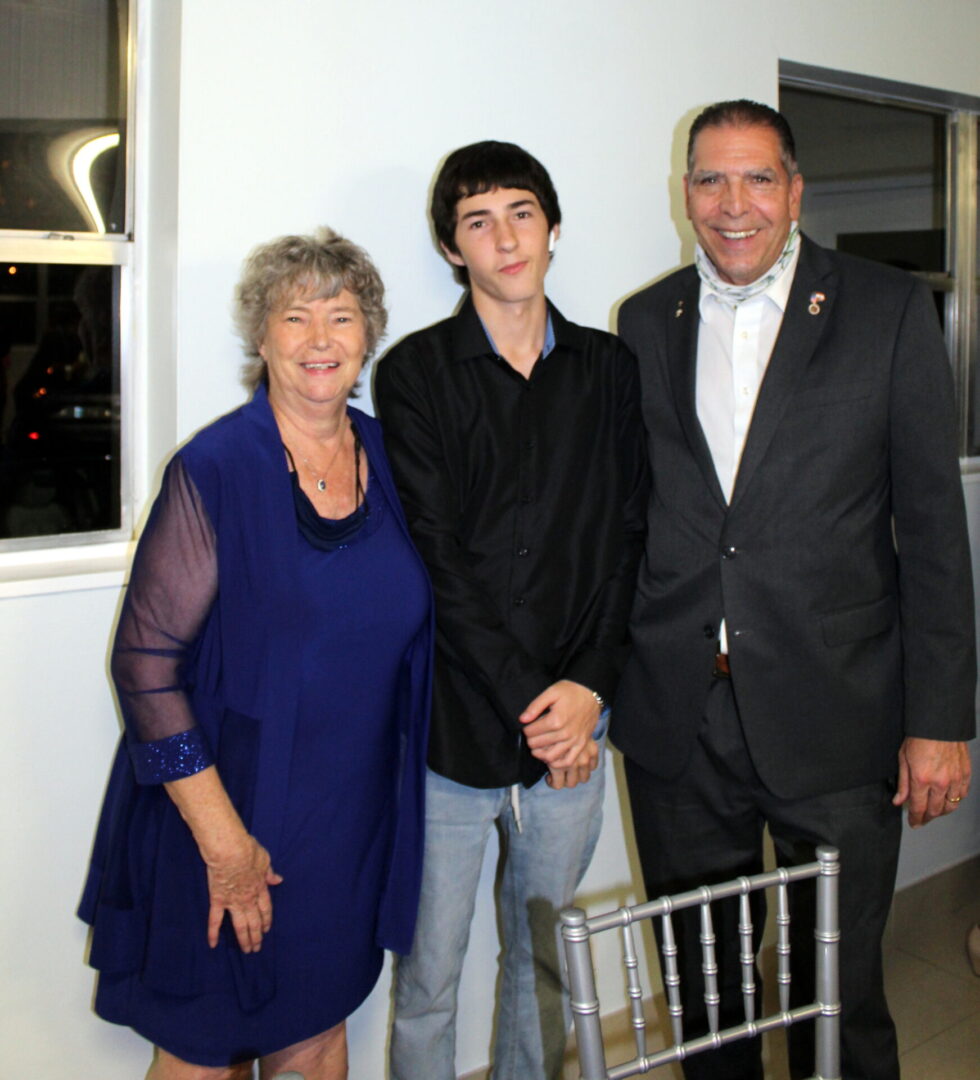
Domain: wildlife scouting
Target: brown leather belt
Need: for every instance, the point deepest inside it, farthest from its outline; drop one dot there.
(722, 670)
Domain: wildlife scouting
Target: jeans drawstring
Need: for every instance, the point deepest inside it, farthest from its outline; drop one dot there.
(515, 804)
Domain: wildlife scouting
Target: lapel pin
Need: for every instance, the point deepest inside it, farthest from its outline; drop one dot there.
(816, 299)
(680, 309)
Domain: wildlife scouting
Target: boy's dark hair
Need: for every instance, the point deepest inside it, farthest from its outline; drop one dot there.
(481, 167)
(745, 113)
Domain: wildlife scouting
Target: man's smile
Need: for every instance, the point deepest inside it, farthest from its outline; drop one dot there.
(743, 235)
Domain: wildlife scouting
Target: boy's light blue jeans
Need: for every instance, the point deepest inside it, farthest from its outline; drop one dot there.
(545, 857)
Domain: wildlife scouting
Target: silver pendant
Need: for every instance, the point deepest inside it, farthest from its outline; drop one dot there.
(321, 485)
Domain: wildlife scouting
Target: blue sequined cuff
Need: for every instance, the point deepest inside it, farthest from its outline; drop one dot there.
(176, 756)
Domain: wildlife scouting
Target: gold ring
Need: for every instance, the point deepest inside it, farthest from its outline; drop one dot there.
(950, 799)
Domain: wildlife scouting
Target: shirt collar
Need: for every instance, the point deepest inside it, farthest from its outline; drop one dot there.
(778, 292)
(549, 337)
(471, 339)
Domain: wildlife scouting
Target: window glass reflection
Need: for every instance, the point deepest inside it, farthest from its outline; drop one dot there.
(973, 423)
(59, 399)
(973, 418)
(62, 117)
(875, 177)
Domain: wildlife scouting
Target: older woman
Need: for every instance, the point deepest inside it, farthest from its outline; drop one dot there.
(260, 842)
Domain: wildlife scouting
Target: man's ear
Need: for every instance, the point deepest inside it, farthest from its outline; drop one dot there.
(453, 256)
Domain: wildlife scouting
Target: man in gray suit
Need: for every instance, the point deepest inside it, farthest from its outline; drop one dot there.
(803, 627)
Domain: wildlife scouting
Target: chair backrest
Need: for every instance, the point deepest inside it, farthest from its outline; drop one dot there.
(577, 929)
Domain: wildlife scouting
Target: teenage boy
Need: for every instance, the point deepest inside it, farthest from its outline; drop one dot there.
(517, 444)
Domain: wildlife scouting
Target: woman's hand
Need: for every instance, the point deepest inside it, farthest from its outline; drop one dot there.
(238, 882)
(239, 869)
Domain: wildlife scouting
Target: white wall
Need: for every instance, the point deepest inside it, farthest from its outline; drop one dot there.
(302, 112)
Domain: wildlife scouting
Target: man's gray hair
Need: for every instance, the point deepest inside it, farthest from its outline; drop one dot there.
(745, 113)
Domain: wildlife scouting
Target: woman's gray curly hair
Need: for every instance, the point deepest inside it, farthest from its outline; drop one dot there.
(314, 267)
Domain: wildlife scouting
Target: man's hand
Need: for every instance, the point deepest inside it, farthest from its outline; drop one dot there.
(933, 776)
(579, 773)
(559, 723)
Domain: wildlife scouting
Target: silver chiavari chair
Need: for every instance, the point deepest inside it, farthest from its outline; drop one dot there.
(577, 928)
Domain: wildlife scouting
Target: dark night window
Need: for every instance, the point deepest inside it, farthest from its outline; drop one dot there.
(891, 174)
(65, 251)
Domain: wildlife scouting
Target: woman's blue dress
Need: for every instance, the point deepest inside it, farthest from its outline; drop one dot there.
(356, 617)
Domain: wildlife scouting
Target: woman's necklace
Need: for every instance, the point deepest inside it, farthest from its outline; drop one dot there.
(321, 480)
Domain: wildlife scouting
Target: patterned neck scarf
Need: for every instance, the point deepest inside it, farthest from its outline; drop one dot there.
(736, 294)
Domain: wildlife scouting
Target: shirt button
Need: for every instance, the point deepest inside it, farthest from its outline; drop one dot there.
(529, 444)
(708, 630)
(522, 552)
(728, 553)
(518, 601)
(525, 498)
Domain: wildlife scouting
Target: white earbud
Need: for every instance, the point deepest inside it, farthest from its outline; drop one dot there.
(551, 242)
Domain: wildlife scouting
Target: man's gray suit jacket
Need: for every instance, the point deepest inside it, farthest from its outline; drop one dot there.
(842, 565)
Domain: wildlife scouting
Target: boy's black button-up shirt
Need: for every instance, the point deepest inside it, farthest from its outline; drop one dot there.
(527, 500)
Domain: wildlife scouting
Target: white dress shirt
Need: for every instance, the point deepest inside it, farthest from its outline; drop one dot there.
(734, 346)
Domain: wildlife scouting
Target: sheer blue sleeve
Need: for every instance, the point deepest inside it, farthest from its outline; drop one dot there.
(172, 588)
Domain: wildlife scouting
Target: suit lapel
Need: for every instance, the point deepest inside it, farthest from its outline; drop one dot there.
(682, 350)
(795, 345)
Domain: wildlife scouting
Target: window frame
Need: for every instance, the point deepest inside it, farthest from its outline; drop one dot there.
(959, 281)
(93, 249)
